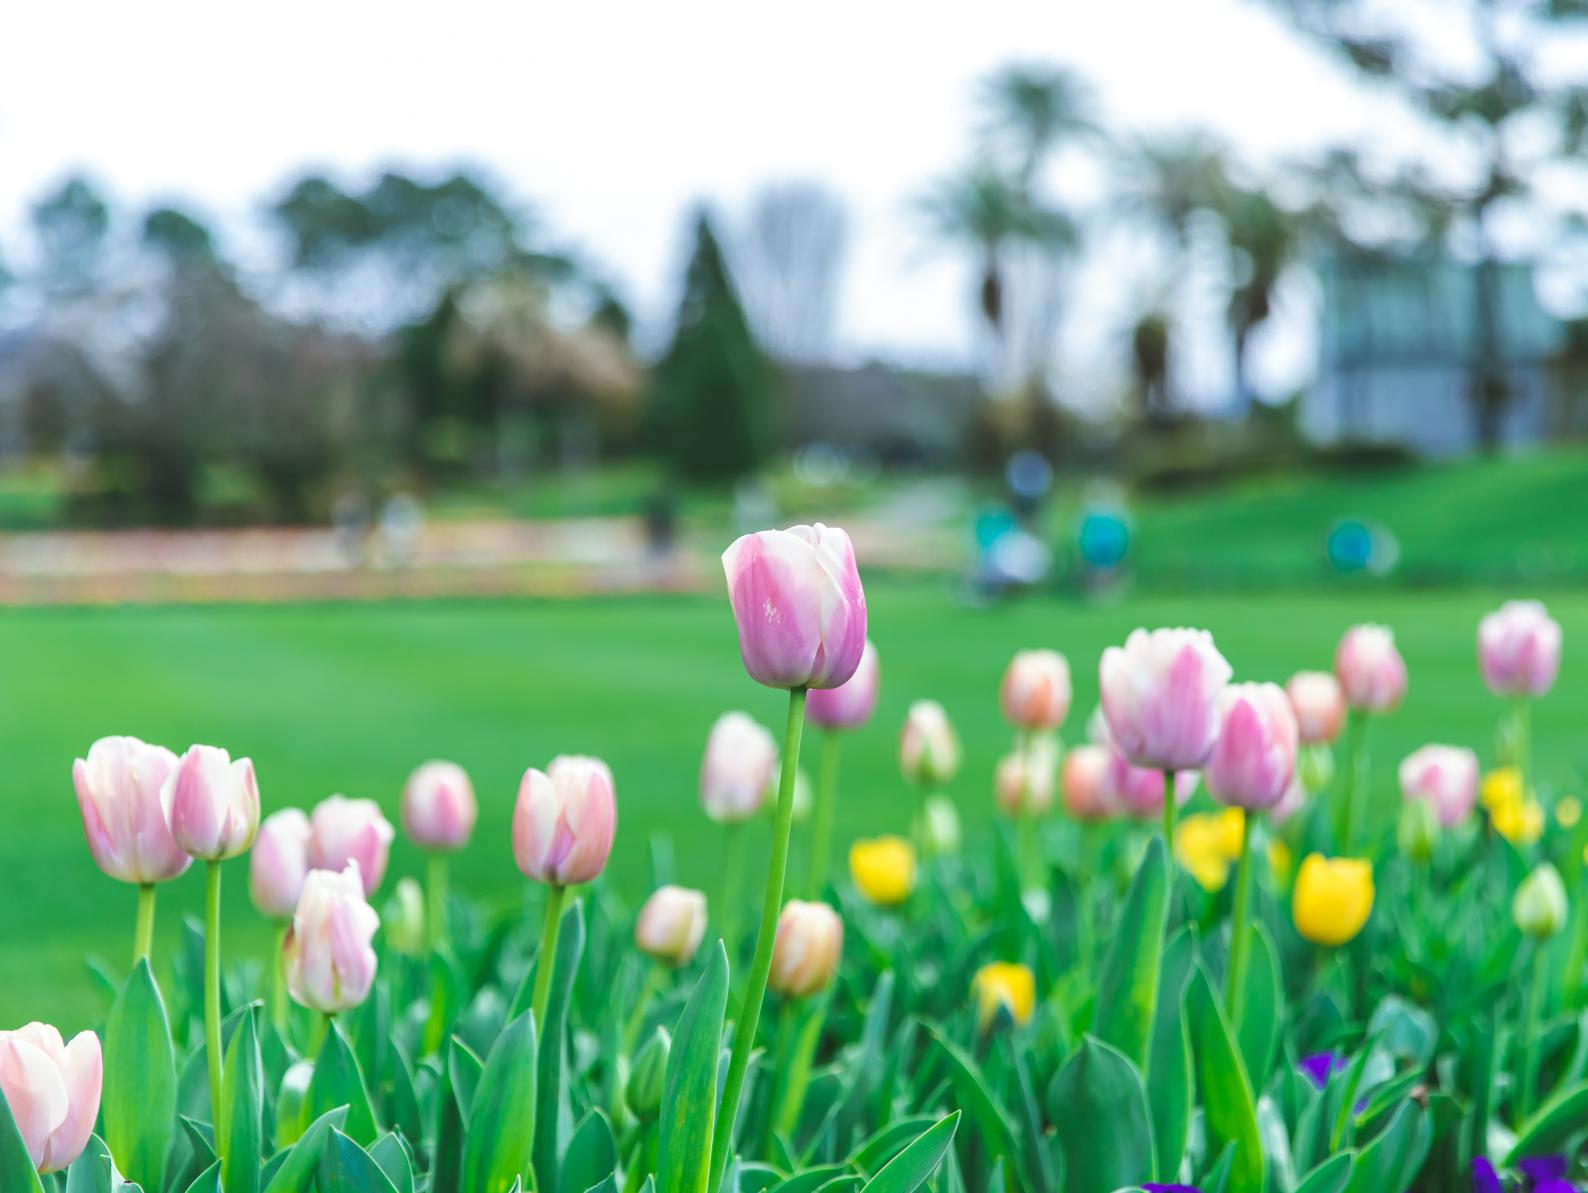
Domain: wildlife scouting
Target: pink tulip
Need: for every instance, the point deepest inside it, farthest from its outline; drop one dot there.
(438, 807)
(1445, 776)
(1036, 690)
(928, 746)
(1370, 669)
(1025, 779)
(1254, 759)
(346, 830)
(214, 803)
(564, 821)
(1519, 649)
(1318, 701)
(330, 962)
(1138, 790)
(671, 925)
(1161, 697)
(279, 863)
(799, 606)
(806, 950)
(738, 768)
(126, 807)
(53, 1090)
(1083, 787)
(851, 703)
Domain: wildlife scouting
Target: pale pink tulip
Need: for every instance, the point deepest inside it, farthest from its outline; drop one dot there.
(1519, 649)
(279, 862)
(671, 925)
(1138, 790)
(737, 770)
(1036, 690)
(806, 950)
(799, 606)
(1086, 796)
(438, 807)
(53, 1090)
(330, 961)
(1161, 697)
(1370, 669)
(214, 803)
(346, 830)
(1254, 759)
(851, 703)
(1318, 701)
(928, 746)
(1026, 779)
(126, 807)
(1445, 776)
(564, 821)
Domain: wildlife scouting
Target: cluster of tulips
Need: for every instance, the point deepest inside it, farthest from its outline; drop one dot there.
(1093, 1004)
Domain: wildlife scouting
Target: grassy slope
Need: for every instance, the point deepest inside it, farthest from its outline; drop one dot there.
(349, 698)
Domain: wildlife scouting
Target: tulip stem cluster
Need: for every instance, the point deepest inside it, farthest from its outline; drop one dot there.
(548, 950)
(212, 989)
(1240, 938)
(143, 942)
(822, 817)
(436, 901)
(761, 966)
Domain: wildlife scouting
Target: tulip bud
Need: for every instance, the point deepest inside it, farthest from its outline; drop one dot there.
(214, 803)
(1539, 907)
(1024, 781)
(346, 830)
(53, 1090)
(438, 808)
(1318, 701)
(1444, 776)
(1161, 697)
(883, 869)
(1370, 669)
(939, 828)
(805, 953)
(739, 768)
(279, 863)
(1519, 649)
(126, 808)
(928, 746)
(1082, 787)
(1036, 690)
(1418, 831)
(330, 963)
(799, 606)
(1004, 986)
(1315, 767)
(1139, 790)
(1254, 759)
(564, 821)
(850, 704)
(671, 925)
(404, 918)
(643, 1093)
(1332, 898)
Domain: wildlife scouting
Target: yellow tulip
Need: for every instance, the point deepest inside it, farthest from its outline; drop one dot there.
(1332, 899)
(1207, 844)
(1280, 859)
(1501, 786)
(1568, 811)
(1004, 984)
(1520, 823)
(883, 869)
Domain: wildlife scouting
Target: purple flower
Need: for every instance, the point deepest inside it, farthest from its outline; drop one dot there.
(1540, 1169)
(1153, 1187)
(1484, 1178)
(1320, 1066)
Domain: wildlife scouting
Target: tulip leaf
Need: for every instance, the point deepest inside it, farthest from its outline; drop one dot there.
(337, 1081)
(1392, 1160)
(1227, 1102)
(1263, 1014)
(994, 1123)
(139, 1103)
(463, 1072)
(297, 1170)
(208, 1181)
(1127, 989)
(392, 1155)
(1099, 1108)
(888, 1142)
(810, 1180)
(1552, 1124)
(1170, 1088)
(554, 1112)
(911, 1168)
(347, 1168)
(501, 1116)
(592, 1153)
(242, 1100)
(16, 1167)
(689, 1097)
(92, 1171)
(1331, 1176)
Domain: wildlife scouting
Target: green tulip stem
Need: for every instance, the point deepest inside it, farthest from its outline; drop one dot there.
(1171, 808)
(771, 905)
(1356, 788)
(212, 991)
(822, 817)
(278, 979)
(143, 940)
(1527, 1073)
(435, 901)
(733, 846)
(548, 951)
(1522, 732)
(1240, 938)
(631, 1030)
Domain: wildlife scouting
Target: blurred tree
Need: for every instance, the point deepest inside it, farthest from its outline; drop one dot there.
(791, 257)
(711, 391)
(1036, 110)
(982, 210)
(179, 237)
(1482, 70)
(71, 224)
(1264, 239)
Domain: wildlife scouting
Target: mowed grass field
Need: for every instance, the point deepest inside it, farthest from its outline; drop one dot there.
(350, 698)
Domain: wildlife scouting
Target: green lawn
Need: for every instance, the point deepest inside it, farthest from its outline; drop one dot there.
(349, 698)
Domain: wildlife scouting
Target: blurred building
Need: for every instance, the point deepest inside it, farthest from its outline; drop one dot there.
(899, 416)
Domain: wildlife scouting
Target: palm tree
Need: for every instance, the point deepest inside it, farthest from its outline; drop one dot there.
(983, 210)
(1169, 179)
(1263, 238)
(1037, 108)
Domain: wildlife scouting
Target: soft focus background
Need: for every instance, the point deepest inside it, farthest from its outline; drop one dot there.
(380, 383)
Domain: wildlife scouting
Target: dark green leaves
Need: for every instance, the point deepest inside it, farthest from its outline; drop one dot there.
(1127, 994)
(1226, 1096)
(501, 1114)
(1099, 1108)
(689, 1105)
(337, 1081)
(907, 1171)
(242, 1100)
(140, 1080)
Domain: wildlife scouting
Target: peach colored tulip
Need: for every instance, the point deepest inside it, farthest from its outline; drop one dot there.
(671, 925)
(805, 953)
(1318, 701)
(53, 1090)
(438, 807)
(1036, 690)
(1083, 786)
(126, 807)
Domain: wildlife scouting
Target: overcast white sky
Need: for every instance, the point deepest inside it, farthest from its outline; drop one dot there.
(613, 117)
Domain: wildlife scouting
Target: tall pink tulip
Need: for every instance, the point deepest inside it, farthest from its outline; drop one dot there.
(279, 863)
(1083, 783)
(1036, 690)
(126, 809)
(851, 703)
(1254, 758)
(214, 803)
(330, 961)
(53, 1090)
(1519, 649)
(799, 606)
(738, 768)
(1445, 776)
(351, 830)
(1161, 697)
(1318, 701)
(438, 807)
(1370, 668)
